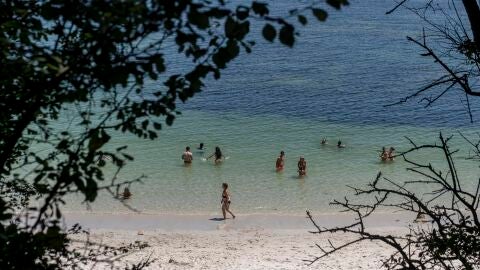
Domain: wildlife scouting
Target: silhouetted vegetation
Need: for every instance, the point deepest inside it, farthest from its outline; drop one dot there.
(92, 59)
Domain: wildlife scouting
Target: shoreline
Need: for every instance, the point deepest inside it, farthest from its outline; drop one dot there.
(211, 222)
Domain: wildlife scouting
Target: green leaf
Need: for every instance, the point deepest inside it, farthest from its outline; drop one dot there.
(200, 20)
(269, 32)
(232, 48)
(242, 12)
(97, 140)
(169, 119)
(159, 63)
(320, 14)
(62, 145)
(337, 4)
(260, 8)
(91, 190)
(286, 35)
(230, 27)
(219, 59)
(302, 19)
(242, 30)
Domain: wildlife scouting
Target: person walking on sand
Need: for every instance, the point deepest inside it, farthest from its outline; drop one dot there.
(218, 155)
(302, 166)
(187, 156)
(280, 161)
(226, 201)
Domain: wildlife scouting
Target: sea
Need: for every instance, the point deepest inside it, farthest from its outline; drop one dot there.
(334, 83)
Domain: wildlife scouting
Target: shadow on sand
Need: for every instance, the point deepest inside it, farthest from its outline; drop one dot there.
(217, 219)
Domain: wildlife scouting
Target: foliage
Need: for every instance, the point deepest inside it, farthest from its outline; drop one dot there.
(450, 236)
(92, 59)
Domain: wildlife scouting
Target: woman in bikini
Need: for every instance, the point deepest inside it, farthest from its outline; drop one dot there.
(280, 161)
(218, 155)
(226, 201)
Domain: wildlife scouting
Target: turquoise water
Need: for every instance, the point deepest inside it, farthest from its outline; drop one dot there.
(251, 145)
(333, 84)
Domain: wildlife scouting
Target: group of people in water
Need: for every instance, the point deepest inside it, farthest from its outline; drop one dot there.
(187, 157)
(302, 164)
(339, 143)
(387, 155)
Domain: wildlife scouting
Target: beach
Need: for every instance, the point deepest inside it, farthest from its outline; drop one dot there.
(248, 242)
(335, 84)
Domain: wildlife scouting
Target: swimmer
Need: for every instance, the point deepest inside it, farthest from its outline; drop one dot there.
(324, 141)
(187, 156)
(200, 147)
(302, 166)
(340, 145)
(218, 155)
(280, 161)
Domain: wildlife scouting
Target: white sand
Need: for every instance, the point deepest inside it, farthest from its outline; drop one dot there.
(237, 244)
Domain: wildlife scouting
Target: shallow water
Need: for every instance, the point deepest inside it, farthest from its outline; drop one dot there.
(251, 145)
(333, 84)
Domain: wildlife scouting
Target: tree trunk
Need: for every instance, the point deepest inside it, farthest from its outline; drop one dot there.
(473, 12)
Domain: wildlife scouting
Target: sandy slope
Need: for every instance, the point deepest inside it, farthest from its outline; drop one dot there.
(254, 248)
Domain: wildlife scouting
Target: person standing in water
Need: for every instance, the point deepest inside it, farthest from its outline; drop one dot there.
(187, 156)
(302, 166)
(280, 161)
(384, 154)
(391, 153)
(218, 155)
(226, 201)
